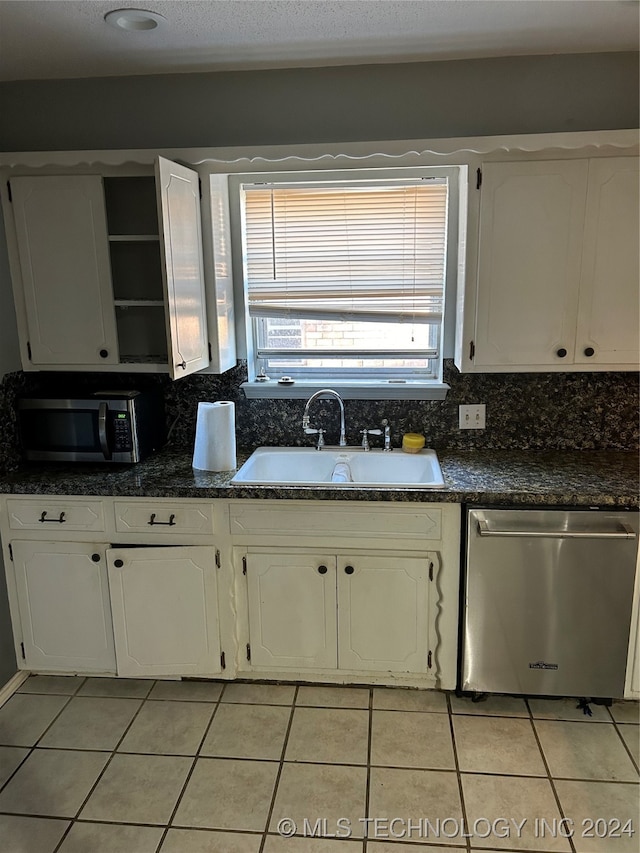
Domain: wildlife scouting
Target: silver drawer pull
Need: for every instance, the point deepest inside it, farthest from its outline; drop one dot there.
(43, 518)
(625, 533)
(170, 523)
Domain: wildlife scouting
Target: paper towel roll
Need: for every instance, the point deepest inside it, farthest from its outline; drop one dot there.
(215, 444)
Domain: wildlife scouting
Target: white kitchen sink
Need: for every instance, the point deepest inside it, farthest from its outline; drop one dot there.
(340, 467)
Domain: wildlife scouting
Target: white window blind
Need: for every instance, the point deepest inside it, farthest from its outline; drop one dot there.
(354, 252)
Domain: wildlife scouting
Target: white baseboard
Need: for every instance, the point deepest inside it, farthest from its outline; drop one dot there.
(7, 691)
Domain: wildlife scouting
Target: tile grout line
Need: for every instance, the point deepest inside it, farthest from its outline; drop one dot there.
(544, 776)
(624, 743)
(281, 761)
(548, 770)
(456, 761)
(626, 746)
(69, 697)
(589, 722)
(104, 769)
(101, 821)
(244, 758)
(196, 757)
(10, 777)
(265, 834)
(367, 793)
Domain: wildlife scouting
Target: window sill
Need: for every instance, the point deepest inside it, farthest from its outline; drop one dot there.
(363, 389)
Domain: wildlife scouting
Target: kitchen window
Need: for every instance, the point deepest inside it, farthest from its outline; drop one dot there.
(345, 280)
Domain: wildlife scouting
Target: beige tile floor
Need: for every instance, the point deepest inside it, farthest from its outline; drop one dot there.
(134, 766)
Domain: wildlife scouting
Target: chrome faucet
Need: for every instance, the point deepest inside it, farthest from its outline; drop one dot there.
(365, 433)
(387, 436)
(309, 430)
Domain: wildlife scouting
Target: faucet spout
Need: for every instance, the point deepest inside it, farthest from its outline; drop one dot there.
(326, 392)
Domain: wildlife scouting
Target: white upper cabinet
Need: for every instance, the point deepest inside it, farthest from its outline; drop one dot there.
(61, 232)
(183, 273)
(531, 218)
(109, 272)
(557, 276)
(608, 314)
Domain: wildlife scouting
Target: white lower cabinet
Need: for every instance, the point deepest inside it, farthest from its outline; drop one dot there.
(164, 603)
(378, 606)
(383, 612)
(292, 611)
(356, 612)
(243, 588)
(63, 601)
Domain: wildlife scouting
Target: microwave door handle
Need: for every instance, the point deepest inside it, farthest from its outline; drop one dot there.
(102, 430)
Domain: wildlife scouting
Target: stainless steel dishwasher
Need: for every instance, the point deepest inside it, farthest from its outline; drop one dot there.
(547, 601)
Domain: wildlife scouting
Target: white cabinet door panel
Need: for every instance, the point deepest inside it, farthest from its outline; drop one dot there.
(531, 230)
(216, 239)
(165, 610)
(608, 312)
(63, 598)
(292, 610)
(61, 232)
(391, 521)
(181, 241)
(164, 517)
(383, 613)
(55, 515)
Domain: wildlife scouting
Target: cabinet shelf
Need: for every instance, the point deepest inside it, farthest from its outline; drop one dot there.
(134, 238)
(139, 303)
(158, 359)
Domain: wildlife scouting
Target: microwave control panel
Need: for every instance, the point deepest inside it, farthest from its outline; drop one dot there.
(121, 432)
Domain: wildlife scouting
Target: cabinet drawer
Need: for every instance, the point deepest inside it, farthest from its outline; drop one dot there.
(380, 522)
(160, 517)
(53, 516)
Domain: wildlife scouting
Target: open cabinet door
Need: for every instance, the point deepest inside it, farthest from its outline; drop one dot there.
(183, 271)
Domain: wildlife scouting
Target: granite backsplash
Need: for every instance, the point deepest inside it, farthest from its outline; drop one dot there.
(525, 411)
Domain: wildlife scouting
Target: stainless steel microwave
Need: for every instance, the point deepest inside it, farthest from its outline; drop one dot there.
(118, 427)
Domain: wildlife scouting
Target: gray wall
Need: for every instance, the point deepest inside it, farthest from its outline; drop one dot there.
(526, 94)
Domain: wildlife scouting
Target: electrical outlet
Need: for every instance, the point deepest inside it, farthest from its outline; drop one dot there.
(472, 417)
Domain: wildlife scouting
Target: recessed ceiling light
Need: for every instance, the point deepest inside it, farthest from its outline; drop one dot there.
(133, 19)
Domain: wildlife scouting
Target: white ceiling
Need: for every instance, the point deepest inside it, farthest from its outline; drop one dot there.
(52, 39)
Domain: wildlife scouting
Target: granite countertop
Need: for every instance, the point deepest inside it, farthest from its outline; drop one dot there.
(570, 478)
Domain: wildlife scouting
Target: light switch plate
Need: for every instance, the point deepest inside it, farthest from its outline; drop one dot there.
(472, 417)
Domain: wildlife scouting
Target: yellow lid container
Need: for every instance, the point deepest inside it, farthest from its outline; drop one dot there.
(412, 442)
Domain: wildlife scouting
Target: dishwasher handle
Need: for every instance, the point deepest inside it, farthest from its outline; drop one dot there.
(625, 533)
